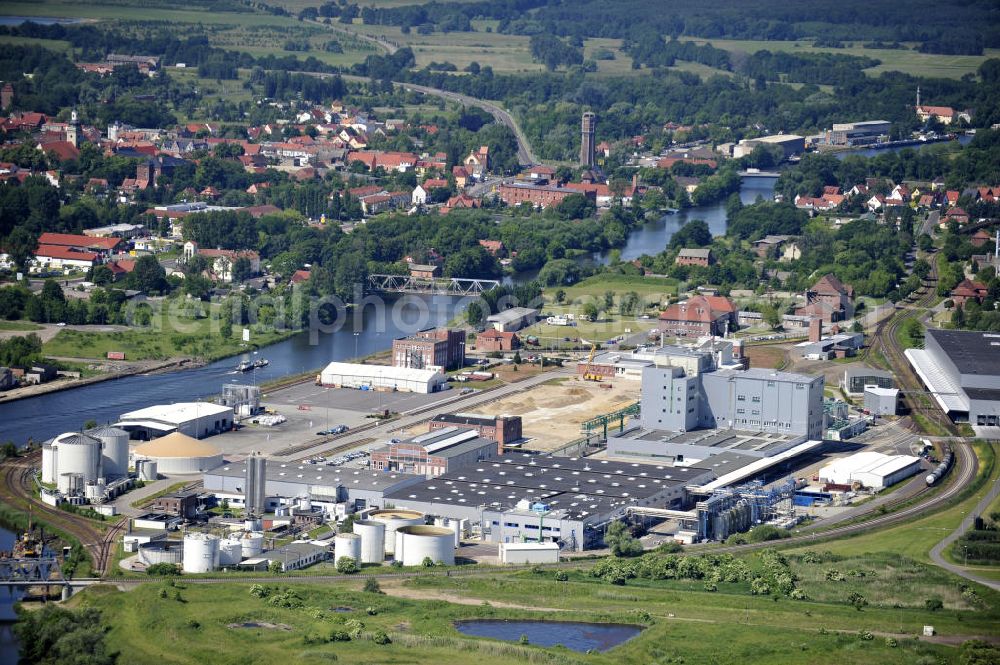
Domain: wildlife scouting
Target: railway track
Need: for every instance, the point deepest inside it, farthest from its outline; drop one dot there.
(885, 340)
(16, 491)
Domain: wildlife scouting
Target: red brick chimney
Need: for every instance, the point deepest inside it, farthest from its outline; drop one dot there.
(815, 329)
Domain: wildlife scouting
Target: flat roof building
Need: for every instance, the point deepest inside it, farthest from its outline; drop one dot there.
(870, 469)
(434, 453)
(381, 377)
(526, 497)
(961, 369)
(195, 419)
(856, 378)
(502, 429)
(324, 485)
(513, 319)
(434, 347)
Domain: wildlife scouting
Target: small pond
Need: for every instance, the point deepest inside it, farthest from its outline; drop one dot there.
(575, 635)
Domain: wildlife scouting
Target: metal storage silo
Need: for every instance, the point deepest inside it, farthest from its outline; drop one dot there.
(79, 453)
(50, 462)
(372, 540)
(230, 551)
(95, 492)
(201, 552)
(416, 543)
(70, 484)
(347, 544)
(455, 526)
(395, 519)
(114, 450)
(161, 551)
(146, 469)
(252, 544)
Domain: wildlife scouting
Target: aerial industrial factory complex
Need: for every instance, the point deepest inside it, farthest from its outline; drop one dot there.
(709, 450)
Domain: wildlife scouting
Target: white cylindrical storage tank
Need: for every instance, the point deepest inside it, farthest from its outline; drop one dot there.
(395, 519)
(70, 483)
(252, 544)
(79, 453)
(347, 544)
(252, 524)
(161, 551)
(230, 552)
(454, 526)
(50, 472)
(201, 552)
(372, 540)
(146, 470)
(95, 492)
(416, 543)
(114, 450)
(304, 503)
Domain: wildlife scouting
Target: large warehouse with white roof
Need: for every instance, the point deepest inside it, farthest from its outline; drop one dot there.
(871, 469)
(197, 419)
(374, 377)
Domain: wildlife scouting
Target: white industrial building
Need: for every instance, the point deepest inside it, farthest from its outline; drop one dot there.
(382, 377)
(881, 401)
(525, 553)
(871, 469)
(178, 453)
(195, 419)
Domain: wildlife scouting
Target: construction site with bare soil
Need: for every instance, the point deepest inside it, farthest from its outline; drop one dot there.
(554, 412)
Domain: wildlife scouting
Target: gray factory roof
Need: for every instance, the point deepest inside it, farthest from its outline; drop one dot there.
(761, 373)
(318, 474)
(972, 352)
(720, 439)
(567, 483)
(512, 314)
(983, 394)
(465, 419)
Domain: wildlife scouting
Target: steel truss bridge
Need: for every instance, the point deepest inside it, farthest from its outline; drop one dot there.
(438, 286)
(30, 572)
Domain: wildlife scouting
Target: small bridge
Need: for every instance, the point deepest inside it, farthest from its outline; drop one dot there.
(30, 572)
(443, 286)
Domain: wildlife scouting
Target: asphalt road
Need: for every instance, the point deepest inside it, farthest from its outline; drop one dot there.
(937, 553)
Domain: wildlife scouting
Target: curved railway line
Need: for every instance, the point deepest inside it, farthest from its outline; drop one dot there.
(16, 491)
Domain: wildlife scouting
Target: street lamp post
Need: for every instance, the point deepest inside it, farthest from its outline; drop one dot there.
(356, 345)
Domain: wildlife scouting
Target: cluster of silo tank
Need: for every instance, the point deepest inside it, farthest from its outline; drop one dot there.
(79, 463)
(205, 552)
(404, 535)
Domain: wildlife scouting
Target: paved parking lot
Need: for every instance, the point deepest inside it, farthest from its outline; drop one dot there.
(345, 399)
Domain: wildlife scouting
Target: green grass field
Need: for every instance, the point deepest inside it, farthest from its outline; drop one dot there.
(683, 623)
(168, 337)
(900, 60)
(19, 326)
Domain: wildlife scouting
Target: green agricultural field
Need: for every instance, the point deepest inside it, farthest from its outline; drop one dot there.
(177, 336)
(899, 60)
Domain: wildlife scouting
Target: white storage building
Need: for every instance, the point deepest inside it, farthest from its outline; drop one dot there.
(374, 377)
(871, 469)
(881, 401)
(197, 419)
(177, 453)
(524, 553)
